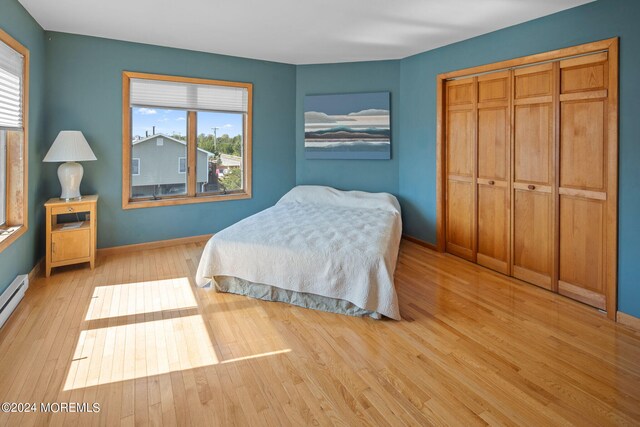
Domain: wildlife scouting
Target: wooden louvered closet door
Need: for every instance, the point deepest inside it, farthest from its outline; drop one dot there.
(585, 178)
(460, 167)
(494, 140)
(534, 174)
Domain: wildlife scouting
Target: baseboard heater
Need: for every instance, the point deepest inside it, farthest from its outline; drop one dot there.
(11, 297)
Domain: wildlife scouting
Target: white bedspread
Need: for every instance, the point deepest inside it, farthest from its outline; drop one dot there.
(338, 244)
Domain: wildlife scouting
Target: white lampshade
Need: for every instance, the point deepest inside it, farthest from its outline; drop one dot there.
(70, 146)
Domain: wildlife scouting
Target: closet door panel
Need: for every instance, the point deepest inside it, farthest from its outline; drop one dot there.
(460, 142)
(460, 222)
(460, 92)
(582, 232)
(585, 179)
(493, 87)
(494, 140)
(535, 81)
(493, 226)
(582, 151)
(533, 160)
(532, 245)
(586, 73)
(493, 143)
(533, 230)
(460, 155)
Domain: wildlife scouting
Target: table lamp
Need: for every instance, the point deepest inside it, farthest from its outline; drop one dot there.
(70, 147)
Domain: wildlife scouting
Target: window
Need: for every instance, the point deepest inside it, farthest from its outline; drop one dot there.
(3, 178)
(202, 125)
(14, 96)
(135, 167)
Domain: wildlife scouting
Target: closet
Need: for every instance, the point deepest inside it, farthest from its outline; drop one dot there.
(528, 166)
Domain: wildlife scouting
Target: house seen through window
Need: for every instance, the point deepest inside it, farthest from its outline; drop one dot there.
(159, 140)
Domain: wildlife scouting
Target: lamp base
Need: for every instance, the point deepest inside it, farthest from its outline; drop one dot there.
(70, 175)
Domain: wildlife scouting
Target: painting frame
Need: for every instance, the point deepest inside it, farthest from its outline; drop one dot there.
(347, 126)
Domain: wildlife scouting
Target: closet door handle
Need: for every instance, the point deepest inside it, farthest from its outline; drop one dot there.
(491, 182)
(531, 187)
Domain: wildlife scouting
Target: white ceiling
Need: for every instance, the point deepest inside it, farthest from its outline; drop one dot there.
(292, 31)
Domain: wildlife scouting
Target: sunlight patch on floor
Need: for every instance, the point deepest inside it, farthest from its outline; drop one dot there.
(143, 329)
(140, 297)
(136, 350)
(256, 356)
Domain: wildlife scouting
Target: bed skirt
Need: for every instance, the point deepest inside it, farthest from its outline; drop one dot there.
(264, 292)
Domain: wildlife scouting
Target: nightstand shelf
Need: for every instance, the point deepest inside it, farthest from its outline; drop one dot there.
(66, 245)
(59, 228)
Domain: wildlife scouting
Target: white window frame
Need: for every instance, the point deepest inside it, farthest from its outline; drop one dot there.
(180, 171)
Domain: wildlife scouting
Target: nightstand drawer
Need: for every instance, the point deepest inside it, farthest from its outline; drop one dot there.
(59, 210)
(68, 245)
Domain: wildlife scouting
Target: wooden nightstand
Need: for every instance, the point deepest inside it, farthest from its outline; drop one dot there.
(66, 245)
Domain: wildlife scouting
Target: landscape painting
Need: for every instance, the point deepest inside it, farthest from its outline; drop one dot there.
(347, 126)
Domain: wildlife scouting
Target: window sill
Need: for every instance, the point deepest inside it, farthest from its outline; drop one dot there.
(10, 234)
(137, 204)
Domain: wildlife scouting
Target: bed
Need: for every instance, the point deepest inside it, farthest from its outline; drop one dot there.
(318, 247)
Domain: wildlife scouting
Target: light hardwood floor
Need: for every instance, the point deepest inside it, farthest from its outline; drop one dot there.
(474, 348)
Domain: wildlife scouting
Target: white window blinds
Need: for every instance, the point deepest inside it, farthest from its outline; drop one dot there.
(11, 65)
(188, 96)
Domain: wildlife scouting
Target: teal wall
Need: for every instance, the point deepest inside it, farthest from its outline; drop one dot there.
(594, 21)
(84, 92)
(366, 175)
(22, 255)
